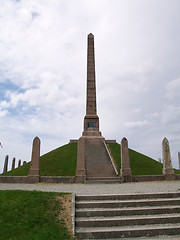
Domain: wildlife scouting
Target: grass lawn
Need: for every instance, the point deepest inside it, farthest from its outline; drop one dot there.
(31, 216)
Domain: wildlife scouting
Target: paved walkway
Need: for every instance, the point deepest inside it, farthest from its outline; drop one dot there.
(92, 189)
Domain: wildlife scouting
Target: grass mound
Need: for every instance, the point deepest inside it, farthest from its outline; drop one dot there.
(59, 162)
(31, 215)
(140, 164)
(62, 162)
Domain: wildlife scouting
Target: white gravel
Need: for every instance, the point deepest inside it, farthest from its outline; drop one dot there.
(93, 189)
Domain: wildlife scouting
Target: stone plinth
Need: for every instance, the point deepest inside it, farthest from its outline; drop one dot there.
(168, 170)
(6, 164)
(34, 174)
(125, 163)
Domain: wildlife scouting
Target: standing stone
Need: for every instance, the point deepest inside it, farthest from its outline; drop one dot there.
(125, 163)
(34, 167)
(179, 159)
(13, 163)
(168, 170)
(159, 160)
(6, 164)
(24, 162)
(19, 163)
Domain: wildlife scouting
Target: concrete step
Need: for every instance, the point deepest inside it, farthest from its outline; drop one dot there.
(96, 212)
(127, 221)
(125, 203)
(127, 216)
(127, 196)
(130, 231)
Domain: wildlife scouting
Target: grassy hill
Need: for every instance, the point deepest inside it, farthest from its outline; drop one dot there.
(62, 162)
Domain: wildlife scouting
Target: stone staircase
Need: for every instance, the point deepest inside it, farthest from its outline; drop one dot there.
(98, 162)
(127, 216)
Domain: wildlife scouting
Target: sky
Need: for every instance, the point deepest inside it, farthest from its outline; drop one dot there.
(43, 62)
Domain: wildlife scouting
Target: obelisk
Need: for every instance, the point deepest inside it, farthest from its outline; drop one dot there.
(91, 120)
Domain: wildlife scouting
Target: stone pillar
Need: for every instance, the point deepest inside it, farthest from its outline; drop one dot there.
(24, 162)
(125, 163)
(19, 163)
(34, 175)
(91, 120)
(13, 163)
(168, 170)
(80, 168)
(179, 159)
(6, 164)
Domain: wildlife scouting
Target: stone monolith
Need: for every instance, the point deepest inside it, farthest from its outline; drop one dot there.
(13, 163)
(34, 167)
(125, 163)
(168, 170)
(6, 164)
(19, 163)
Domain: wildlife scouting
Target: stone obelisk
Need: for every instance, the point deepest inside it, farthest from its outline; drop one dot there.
(92, 157)
(91, 120)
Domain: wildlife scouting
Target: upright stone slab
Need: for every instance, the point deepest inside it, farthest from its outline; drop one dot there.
(34, 175)
(168, 170)
(19, 163)
(24, 162)
(6, 164)
(179, 159)
(125, 163)
(13, 163)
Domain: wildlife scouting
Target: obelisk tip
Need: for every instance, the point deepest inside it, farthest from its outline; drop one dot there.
(90, 35)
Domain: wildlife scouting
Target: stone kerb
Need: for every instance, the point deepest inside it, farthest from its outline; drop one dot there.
(125, 163)
(34, 175)
(168, 170)
(6, 164)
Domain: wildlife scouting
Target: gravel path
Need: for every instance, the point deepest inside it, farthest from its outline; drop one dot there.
(93, 189)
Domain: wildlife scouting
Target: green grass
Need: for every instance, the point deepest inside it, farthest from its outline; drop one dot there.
(140, 164)
(31, 215)
(20, 171)
(59, 162)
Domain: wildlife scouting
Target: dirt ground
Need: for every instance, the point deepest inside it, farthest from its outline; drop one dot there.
(66, 211)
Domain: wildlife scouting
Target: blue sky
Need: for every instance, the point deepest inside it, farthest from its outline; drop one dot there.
(43, 48)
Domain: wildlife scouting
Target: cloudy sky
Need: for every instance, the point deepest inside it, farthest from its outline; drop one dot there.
(43, 54)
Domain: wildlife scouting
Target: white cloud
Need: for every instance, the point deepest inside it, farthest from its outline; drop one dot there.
(137, 124)
(173, 88)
